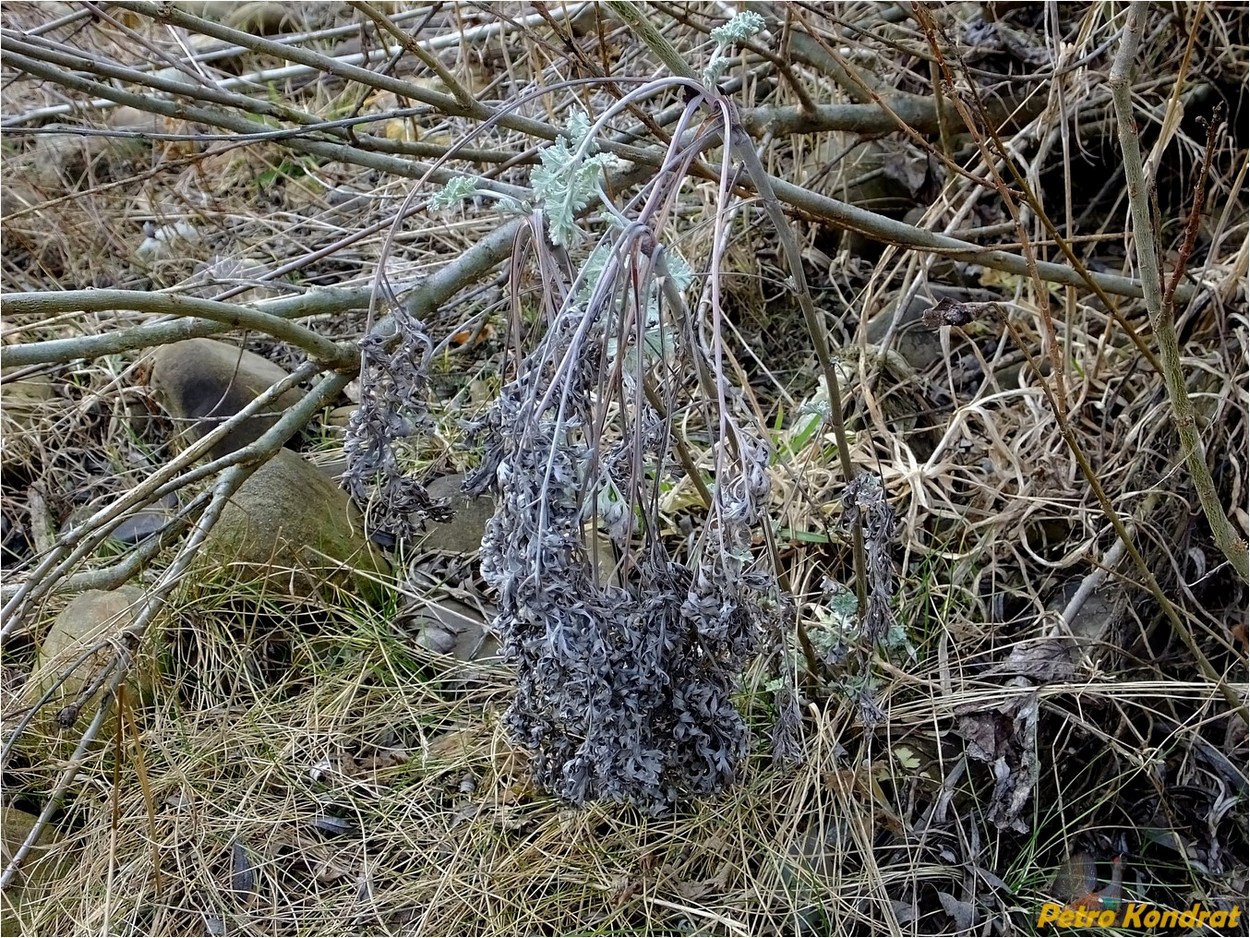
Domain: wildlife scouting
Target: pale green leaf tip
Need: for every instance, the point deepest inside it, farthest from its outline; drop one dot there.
(742, 26)
(457, 190)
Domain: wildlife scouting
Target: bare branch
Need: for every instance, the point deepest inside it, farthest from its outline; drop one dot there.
(1230, 543)
(230, 315)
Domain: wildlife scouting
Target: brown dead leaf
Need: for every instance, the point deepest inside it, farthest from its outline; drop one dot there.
(1047, 661)
(964, 914)
(1006, 737)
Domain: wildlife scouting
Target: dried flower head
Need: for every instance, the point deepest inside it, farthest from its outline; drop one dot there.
(624, 692)
(951, 313)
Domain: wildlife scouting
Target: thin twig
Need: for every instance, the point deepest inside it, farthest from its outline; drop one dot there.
(431, 61)
(763, 183)
(1194, 221)
(285, 48)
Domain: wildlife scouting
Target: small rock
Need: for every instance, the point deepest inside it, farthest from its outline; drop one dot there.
(448, 626)
(206, 9)
(443, 624)
(339, 418)
(292, 528)
(29, 407)
(140, 526)
(93, 617)
(919, 346)
(17, 195)
(262, 18)
(38, 869)
(463, 533)
(136, 528)
(131, 118)
(1095, 617)
(876, 174)
(70, 163)
(166, 241)
(202, 382)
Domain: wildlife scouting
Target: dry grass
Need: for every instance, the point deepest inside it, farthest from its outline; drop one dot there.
(303, 769)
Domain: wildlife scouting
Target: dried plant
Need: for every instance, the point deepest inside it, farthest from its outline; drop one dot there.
(626, 445)
(864, 500)
(392, 409)
(625, 683)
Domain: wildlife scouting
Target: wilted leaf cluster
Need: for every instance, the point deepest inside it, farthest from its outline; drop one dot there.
(625, 677)
(393, 371)
(864, 500)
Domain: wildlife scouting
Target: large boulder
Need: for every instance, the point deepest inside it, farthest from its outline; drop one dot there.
(291, 528)
(203, 382)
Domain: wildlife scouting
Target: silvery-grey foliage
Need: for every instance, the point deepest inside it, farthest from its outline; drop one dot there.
(787, 737)
(625, 684)
(627, 665)
(865, 498)
(392, 409)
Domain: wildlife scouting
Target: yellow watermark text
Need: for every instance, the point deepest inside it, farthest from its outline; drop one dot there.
(1137, 915)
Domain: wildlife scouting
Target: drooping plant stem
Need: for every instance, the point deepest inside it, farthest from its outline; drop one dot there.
(1230, 543)
(818, 333)
(737, 138)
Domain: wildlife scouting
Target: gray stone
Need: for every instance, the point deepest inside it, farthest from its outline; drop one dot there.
(69, 163)
(130, 118)
(919, 347)
(463, 533)
(17, 195)
(449, 618)
(338, 419)
(137, 527)
(262, 18)
(450, 614)
(29, 407)
(1094, 617)
(140, 526)
(290, 527)
(447, 626)
(92, 618)
(880, 175)
(202, 382)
